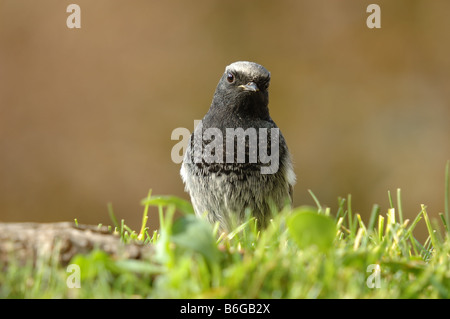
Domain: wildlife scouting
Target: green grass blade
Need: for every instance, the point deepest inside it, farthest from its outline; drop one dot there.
(391, 205)
(350, 216)
(431, 232)
(444, 221)
(145, 217)
(399, 206)
(373, 216)
(447, 194)
(319, 206)
(112, 216)
(380, 227)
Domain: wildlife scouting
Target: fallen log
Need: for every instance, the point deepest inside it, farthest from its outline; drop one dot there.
(25, 242)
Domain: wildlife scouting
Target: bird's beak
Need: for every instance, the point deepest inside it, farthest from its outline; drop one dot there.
(250, 86)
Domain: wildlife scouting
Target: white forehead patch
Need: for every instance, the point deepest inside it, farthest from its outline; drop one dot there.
(251, 69)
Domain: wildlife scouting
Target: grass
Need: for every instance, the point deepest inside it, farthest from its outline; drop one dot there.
(306, 252)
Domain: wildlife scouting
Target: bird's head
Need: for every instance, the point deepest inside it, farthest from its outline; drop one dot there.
(243, 88)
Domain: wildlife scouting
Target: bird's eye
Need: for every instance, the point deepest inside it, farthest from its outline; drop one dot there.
(230, 77)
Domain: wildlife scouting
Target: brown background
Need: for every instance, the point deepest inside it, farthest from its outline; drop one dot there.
(86, 115)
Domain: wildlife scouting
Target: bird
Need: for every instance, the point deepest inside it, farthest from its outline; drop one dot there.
(226, 168)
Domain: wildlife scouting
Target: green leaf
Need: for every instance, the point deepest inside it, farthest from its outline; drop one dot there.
(308, 228)
(194, 234)
(180, 204)
(139, 267)
(96, 263)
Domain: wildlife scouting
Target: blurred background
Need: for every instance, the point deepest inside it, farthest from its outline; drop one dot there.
(86, 114)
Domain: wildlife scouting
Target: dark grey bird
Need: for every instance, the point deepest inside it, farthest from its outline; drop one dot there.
(237, 160)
